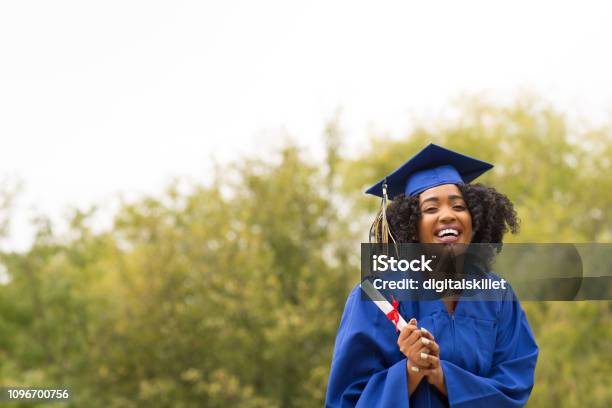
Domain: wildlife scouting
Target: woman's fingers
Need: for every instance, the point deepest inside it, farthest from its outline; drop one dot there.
(419, 362)
(408, 336)
(419, 346)
(426, 333)
(414, 337)
(431, 344)
(416, 355)
(430, 361)
(407, 331)
(422, 356)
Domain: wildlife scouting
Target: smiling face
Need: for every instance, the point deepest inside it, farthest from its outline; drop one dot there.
(445, 218)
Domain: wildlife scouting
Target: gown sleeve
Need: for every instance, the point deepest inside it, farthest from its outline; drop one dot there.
(363, 373)
(511, 377)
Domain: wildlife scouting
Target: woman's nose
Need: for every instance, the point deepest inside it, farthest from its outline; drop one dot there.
(447, 215)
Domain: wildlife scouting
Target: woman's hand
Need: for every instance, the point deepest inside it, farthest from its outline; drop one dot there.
(407, 341)
(429, 342)
(417, 345)
(435, 376)
(423, 355)
(433, 373)
(411, 345)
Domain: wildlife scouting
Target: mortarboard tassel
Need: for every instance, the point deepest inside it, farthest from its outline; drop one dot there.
(380, 230)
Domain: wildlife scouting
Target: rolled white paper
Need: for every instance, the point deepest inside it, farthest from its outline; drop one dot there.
(383, 304)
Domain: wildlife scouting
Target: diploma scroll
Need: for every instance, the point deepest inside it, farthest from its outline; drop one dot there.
(383, 304)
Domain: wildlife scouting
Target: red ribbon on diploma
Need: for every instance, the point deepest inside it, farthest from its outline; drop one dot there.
(394, 314)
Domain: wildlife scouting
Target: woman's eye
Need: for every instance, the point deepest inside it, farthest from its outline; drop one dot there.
(459, 207)
(430, 210)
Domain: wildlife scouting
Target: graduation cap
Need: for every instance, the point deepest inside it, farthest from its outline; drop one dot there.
(431, 167)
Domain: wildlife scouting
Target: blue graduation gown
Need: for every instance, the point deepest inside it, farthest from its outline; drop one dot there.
(487, 350)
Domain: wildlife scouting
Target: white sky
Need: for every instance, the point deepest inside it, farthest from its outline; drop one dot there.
(98, 98)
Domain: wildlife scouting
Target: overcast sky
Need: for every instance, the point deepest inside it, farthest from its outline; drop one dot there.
(98, 98)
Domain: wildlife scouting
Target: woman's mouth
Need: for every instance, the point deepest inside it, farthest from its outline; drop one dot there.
(447, 235)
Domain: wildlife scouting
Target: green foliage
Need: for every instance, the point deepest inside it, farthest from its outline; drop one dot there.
(560, 180)
(231, 294)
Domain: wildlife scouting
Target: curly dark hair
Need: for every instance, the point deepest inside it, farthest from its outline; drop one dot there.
(492, 214)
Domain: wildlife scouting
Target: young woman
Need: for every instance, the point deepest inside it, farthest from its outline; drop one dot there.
(454, 352)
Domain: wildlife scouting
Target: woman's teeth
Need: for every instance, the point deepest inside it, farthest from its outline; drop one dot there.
(448, 231)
